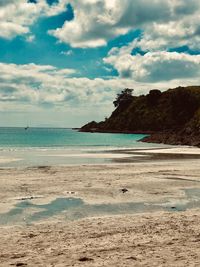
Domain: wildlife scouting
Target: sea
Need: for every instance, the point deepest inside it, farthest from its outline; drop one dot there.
(21, 147)
(46, 147)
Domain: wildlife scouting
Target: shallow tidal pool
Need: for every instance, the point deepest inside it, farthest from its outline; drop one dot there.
(26, 212)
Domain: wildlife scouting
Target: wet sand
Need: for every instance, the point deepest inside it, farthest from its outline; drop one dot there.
(157, 238)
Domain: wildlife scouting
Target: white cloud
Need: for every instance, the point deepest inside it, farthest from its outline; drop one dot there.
(16, 16)
(154, 66)
(98, 21)
(158, 63)
(44, 93)
(165, 23)
(45, 84)
(32, 83)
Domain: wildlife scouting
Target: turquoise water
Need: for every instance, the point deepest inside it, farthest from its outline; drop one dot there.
(50, 146)
(49, 137)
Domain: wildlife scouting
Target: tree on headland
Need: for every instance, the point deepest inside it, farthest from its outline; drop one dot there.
(125, 97)
(172, 116)
(153, 97)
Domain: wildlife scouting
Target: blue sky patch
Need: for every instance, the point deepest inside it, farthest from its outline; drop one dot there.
(48, 23)
(139, 51)
(184, 49)
(51, 2)
(32, 1)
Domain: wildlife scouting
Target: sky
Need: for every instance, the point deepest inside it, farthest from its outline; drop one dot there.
(62, 62)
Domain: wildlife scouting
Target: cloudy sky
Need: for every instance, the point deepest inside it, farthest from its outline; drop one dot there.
(63, 61)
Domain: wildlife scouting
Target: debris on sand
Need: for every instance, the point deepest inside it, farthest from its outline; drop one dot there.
(85, 259)
(124, 190)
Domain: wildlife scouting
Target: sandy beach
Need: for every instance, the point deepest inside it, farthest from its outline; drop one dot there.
(165, 232)
(100, 133)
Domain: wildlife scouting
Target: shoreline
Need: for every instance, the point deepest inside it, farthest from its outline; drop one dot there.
(166, 137)
(115, 131)
(22, 158)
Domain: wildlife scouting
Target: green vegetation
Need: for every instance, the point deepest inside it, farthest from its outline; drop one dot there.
(172, 116)
(124, 98)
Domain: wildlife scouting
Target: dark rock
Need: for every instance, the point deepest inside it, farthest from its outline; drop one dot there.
(124, 190)
(90, 127)
(21, 264)
(31, 235)
(85, 259)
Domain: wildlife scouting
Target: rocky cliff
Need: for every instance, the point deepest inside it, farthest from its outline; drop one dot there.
(171, 117)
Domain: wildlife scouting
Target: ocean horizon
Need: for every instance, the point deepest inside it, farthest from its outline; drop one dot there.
(20, 137)
(38, 146)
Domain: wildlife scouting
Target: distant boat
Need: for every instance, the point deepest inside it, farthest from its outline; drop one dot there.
(26, 128)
